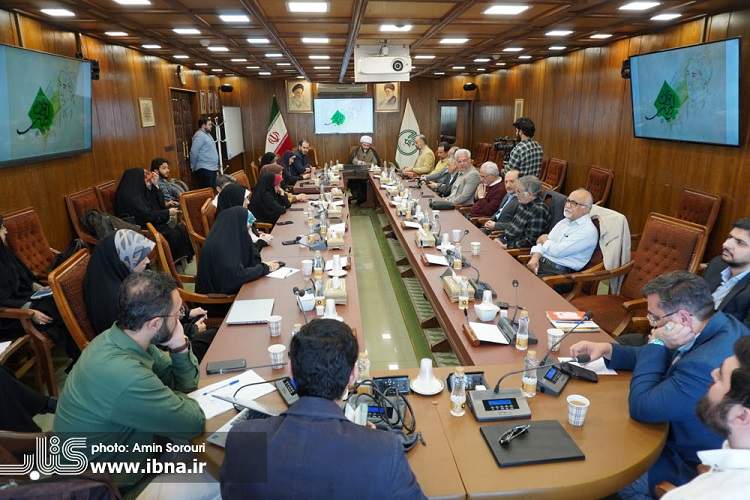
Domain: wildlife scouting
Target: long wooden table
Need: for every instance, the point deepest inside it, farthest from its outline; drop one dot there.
(456, 463)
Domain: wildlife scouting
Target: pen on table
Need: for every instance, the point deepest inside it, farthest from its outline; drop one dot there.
(221, 387)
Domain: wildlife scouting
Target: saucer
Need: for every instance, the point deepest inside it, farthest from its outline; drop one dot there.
(435, 388)
(337, 274)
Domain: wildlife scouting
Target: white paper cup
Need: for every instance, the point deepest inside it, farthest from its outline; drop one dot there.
(277, 352)
(274, 325)
(320, 310)
(456, 235)
(475, 247)
(578, 406)
(553, 337)
(307, 266)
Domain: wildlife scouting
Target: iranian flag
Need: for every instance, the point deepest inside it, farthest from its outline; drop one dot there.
(277, 138)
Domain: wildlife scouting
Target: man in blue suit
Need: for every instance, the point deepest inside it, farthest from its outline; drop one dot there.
(312, 450)
(672, 372)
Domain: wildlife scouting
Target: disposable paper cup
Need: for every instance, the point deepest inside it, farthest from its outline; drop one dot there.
(276, 352)
(307, 265)
(320, 310)
(456, 235)
(553, 337)
(578, 406)
(475, 247)
(274, 325)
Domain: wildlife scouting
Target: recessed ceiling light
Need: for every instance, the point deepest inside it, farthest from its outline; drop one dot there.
(239, 59)
(500, 64)
(283, 64)
(524, 57)
(315, 39)
(59, 12)
(201, 64)
(290, 71)
(559, 33)
(300, 77)
(512, 49)
(217, 70)
(424, 56)
(115, 33)
(273, 54)
(639, 5)
(307, 6)
(601, 36)
(257, 41)
(453, 41)
(398, 28)
(505, 10)
(252, 67)
(482, 59)
(186, 31)
(264, 73)
(234, 18)
(558, 47)
(181, 56)
(481, 69)
(439, 73)
(218, 49)
(319, 57)
(458, 67)
(321, 67)
(133, 2)
(151, 46)
(666, 17)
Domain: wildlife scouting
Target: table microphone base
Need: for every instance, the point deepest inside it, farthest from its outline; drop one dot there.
(491, 406)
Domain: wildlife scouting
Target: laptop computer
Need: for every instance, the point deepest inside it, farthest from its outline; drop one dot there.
(250, 312)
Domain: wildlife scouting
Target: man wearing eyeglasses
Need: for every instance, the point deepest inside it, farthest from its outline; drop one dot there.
(128, 388)
(570, 244)
(672, 372)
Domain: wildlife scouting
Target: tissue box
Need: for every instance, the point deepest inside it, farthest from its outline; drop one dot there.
(334, 243)
(452, 288)
(334, 213)
(425, 239)
(337, 294)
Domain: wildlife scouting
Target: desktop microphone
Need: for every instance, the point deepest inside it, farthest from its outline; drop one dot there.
(586, 317)
(299, 294)
(480, 286)
(515, 312)
(582, 358)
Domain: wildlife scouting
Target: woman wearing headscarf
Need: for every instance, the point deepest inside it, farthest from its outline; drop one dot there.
(139, 199)
(268, 202)
(237, 196)
(114, 258)
(17, 285)
(228, 258)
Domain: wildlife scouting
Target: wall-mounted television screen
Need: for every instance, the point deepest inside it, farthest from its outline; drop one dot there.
(688, 94)
(352, 115)
(45, 106)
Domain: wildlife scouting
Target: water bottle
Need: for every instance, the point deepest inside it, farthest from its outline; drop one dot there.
(318, 266)
(463, 293)
(320, 297)
(457, 257)
(528, 381)
(363, 366)
(458, 393)
(522, 334)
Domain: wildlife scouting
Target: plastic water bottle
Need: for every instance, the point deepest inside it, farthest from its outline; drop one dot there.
(528, 381)
(320, 298)
(457, 257)
(463, 292)
(458, 393)
(318, 265)
(522, 335)
(363, 366)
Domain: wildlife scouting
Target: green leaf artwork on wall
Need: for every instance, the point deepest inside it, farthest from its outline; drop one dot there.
(41, 114)
(338, 118)
(667, 103)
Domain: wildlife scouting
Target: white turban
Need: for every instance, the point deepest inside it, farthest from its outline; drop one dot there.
(365, 139)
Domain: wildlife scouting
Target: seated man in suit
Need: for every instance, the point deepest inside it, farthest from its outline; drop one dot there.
(296, 163)
(728, 274)
(312, 450)
(726, 410)
(443, 153)
(532, 218)
(425, 160)
(673, 372)
(465, 185)
(508, 205)
(490, 192)
(444, 187)
(570, 244)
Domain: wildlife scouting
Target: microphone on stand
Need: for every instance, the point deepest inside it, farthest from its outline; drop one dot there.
(582, 358)
(586, 317)
(515, 312)
(299, 294)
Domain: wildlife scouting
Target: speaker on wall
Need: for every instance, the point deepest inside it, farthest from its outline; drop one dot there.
(94, 69)
(469, 86)
(625, 69)
(226, 87)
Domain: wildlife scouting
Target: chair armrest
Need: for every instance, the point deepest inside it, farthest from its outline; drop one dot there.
(14, 313)
(589, 276)
(495, 234)
(663, 488)
(186, 278)
(639, 324)
(463, 209)
(635, 305)
(200, 298)
(523, 259)
(24, 316)
(517, 252)
(701, 268)
(13, 348)
(264, 226)
(479, 221)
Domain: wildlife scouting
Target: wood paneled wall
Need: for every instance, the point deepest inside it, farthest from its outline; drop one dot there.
(582, 110)
(119, 141)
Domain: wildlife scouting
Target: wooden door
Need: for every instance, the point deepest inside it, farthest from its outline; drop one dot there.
(184, 127)
(455, 122)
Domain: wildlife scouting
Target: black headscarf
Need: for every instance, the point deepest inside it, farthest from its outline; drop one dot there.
(266, 204)
(134, 199)
(16, 281)
(228, 258)
(232, 195)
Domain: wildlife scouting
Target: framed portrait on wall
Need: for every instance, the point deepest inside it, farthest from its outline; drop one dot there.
(299, 96)
(387, 97)
(203, 107)
(146, 105)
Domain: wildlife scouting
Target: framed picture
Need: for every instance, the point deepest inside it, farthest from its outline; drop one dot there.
(518, 109)
(299, 96)
(202, 96)
(146, 105)
(387, 97)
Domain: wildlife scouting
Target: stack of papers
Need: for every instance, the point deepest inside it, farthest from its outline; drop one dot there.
(212, 406)
(488, 333)
(567, 320)
(412, 225)
(344, 263)
(438, 260)
(282, 273)
(4, 346)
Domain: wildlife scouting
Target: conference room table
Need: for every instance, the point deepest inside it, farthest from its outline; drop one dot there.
(456, 462)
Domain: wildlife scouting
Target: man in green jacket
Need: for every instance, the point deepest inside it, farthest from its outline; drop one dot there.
(125, 394)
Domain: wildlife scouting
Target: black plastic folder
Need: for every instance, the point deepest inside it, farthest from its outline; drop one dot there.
(546, 441)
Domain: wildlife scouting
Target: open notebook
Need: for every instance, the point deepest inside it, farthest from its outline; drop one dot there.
(250, 312)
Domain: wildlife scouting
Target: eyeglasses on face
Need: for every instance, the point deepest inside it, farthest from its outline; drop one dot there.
(575, 203)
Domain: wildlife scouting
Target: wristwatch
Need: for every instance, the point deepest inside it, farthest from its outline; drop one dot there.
(184, 347)
(657, 341)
